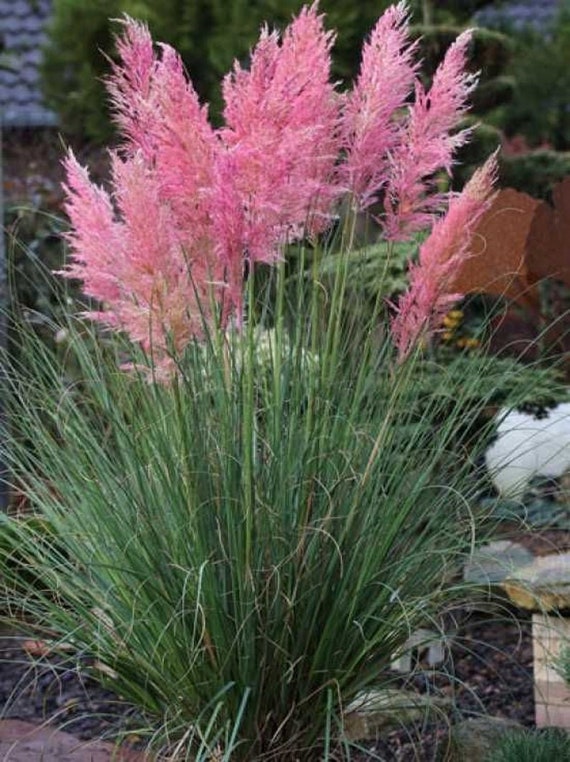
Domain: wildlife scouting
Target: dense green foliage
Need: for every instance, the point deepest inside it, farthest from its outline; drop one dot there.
(535, 172)
(544, 745)
(490, 50)
(540, 68)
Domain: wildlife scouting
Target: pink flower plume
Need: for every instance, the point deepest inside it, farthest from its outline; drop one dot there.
(427, 144)
(192, 208)
(190, 204)
(428, 298)
(369, 127)
(149, 254)
(94, 236)
(281, 132)
(154, 279)
(158, 111)
(130, 83)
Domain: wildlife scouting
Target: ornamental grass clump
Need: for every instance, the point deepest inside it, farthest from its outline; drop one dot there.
(246, 516)
(532, 746)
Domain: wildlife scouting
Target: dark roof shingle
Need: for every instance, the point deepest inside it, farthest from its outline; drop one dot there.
(539, 14)
(22, 35)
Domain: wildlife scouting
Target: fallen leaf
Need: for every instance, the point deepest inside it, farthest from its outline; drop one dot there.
(36, 647)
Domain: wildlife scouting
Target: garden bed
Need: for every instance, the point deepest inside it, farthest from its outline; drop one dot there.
(488, 670)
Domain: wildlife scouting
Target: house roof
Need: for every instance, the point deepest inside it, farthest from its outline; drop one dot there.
(22, 36)
(519, 14)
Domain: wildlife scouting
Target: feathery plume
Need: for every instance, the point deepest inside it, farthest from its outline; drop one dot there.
(369, 123)
(428, 298)
(192, 207)
(148, 253)
(190, 204)
(130, 84)
(95, 240)
(158, 111)
(427, 144)
(154, 279)
(281, 131)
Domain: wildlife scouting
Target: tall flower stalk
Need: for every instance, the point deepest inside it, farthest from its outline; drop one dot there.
(370, 128)
(429, 295)
(427, 144)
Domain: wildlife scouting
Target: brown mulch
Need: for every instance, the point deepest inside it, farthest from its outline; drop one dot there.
(488, 672)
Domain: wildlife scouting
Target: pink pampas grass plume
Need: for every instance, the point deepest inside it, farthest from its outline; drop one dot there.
(154, 280)
(95, 239)
(427, 145)
(159, 114)
(369, 122)
(281, 131)
(427, 300)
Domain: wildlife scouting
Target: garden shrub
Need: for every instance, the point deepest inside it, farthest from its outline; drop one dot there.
(490, 54)
(535, 172)
(486, 139)
(540, 66)
(493, 93)
(543, 745)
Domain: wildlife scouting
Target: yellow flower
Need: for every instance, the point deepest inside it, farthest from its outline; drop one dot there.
(467, 343)
(453, 319)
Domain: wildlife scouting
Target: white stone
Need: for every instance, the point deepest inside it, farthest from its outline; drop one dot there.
(527, 447)
(421, 642)
(492, 563)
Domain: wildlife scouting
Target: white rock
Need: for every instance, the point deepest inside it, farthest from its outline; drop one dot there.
(422, 642)
(527, 447)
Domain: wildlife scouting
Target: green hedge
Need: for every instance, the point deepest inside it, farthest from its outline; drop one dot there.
(535, 172)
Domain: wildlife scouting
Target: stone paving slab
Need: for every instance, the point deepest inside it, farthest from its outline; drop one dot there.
(25, 742)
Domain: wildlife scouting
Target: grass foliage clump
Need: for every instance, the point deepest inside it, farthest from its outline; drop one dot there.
(246, 548)
(533, 746)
